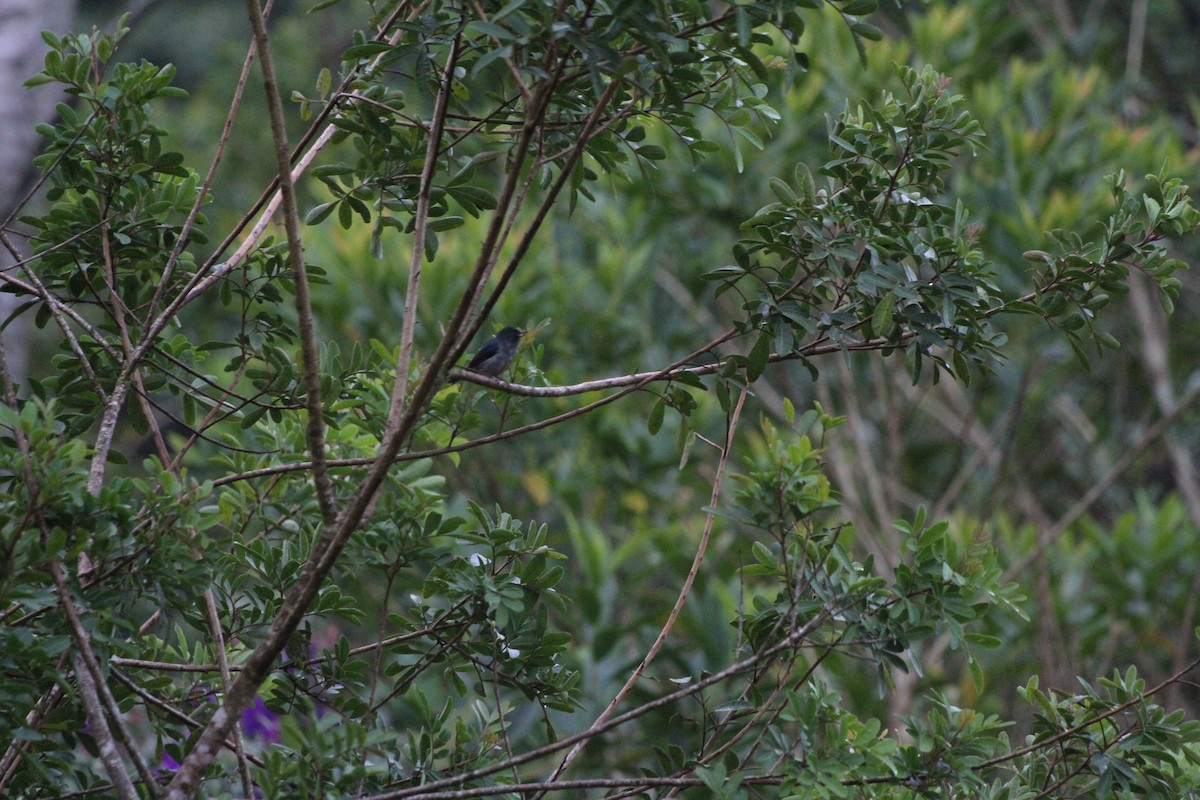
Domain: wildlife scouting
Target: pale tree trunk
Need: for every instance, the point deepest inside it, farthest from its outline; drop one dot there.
(21, 109)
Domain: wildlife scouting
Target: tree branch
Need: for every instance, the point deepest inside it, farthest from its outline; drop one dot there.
(684, 591)
(1075, 512)
(87, 672)
(310, 359)
(309, 147)
(420, 231)
(751, 662)
(627, 383)
(218, 640)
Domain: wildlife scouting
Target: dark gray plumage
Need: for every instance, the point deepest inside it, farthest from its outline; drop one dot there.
(496, 354)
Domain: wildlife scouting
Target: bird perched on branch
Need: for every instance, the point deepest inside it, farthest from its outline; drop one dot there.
(496, 354)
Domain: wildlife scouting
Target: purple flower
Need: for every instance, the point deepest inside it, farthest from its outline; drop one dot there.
(258, 721)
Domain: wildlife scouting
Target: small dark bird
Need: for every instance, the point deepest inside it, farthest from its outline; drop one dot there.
(496, 354)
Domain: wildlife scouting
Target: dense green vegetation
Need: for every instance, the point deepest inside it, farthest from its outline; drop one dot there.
(847, 453)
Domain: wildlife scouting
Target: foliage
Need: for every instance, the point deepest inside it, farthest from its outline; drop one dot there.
(297, 579)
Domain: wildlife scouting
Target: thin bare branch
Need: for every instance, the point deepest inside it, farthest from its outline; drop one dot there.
(306, 327)
(87, 672)
(752, 662)
(684, 591)
(107, 430)
(1076, 511)
(420, 231)
(218, 642)
(1068, 733)
(174, 712)
(222, 141)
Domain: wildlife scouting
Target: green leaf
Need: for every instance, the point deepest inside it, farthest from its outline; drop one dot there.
(685, 451)
(251, 417)
(446, 223)
(882, 316)
(962, 367)
(377, 239)
(499, 32)
(867, 31)
(805, 187)
(756, 361)
(1153, 209)
(38, 80)
(319, 213)
(859, 7)
(480, 198)
(783, 191)
(655, 420)
(984, 640)
(744, 26)
(367, 50)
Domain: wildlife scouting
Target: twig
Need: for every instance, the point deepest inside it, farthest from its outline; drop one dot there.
(684, 591)
(420, 232)
(643, 784)
(218, 638)
(433, 789)
(171, 711)
(1161, 426)
(222, 141)
(1069, 732)
(306, 327)
(87, 672)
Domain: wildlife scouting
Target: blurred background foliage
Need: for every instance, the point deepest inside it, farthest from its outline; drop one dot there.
(1067, 91)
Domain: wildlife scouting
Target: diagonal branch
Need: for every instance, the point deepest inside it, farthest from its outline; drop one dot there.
(751, 662)
(214, 626)
(1075, 512)
(87, 672)
(1067, 733)
(684, 591)
(420, 231)
(268, 203)
(222, 141)
(628, 384)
